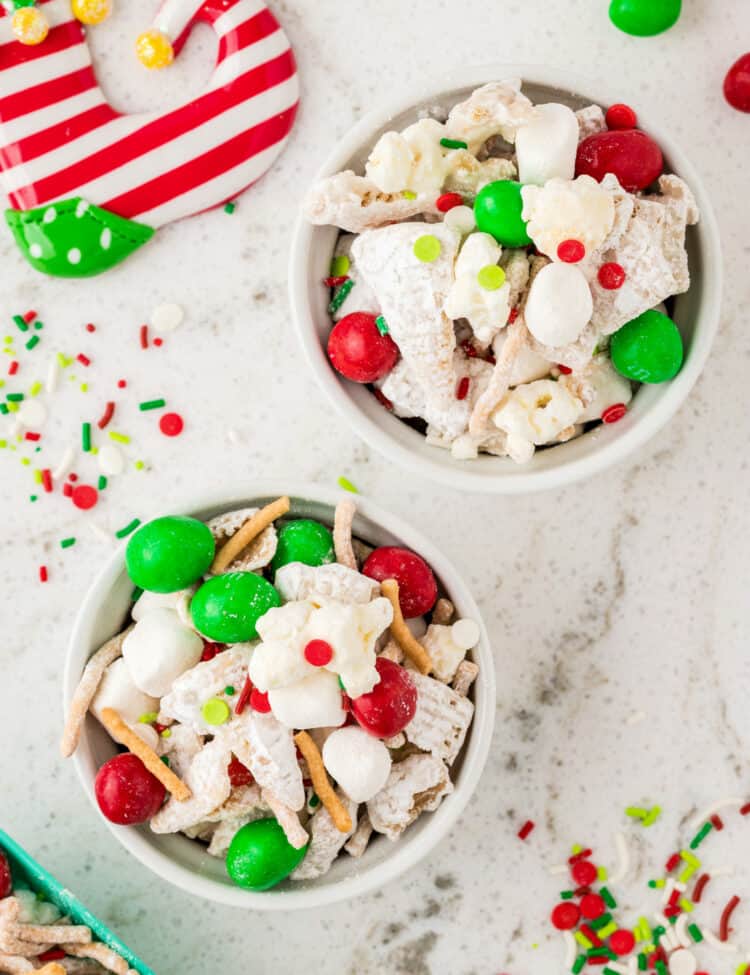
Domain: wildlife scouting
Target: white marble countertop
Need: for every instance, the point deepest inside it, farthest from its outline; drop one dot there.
(620, 595)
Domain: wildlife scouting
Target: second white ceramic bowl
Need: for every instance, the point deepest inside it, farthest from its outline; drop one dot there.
(184, 862)
(696, 312)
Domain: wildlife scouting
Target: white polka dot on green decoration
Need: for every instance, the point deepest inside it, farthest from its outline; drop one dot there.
(427, 248)
(491, 277)
(35, 250)
(49, 215)
(81, 208)
(105, 240)
(74, 255)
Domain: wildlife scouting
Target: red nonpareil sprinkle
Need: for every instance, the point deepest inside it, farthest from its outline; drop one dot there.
(565, 916)
(210, 650)
(67, 490)
(83, 359)
(171, 424)
(571, 251)
(121, 383)
(513, 315)
(335, 282)
(47, 480)
(622, 942)
(29, 317)
(565, 370)
(614, 413)
(259, 701)
(592, 906)
(158, 728)
(584, 873)
(43, 575)
(462, 389)
(158, 342)
(448, 201)
(745, 809)
(581, 855)
(72, 477)
(589, 933)
(318, 653)
(717, 824)
(33, 436)
(53, 954)
(91, 327)
(726, 916)
(700, 886)
(106, 417)
(672, 863)
(244, 698)
(144, 336)
(611, 276)
(13, 368)
(85, 496)
(524, 831)
(621, 117)
(382, 399)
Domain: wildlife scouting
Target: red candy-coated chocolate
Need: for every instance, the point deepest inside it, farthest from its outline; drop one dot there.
(389, 707)
(633, 157)
(318, 653)
(622, 942)
(621, 117)
(592, 906)
(84, 496)
(737, 84)
(259, 701)
(127, 792)
(571, 251)
(238, 773)
(448, 201)
(358, 351)
(6, 880)
(566, 916)
(171, 424)
(611, 276)
(614, 413)
(417, 589)
(584, 873)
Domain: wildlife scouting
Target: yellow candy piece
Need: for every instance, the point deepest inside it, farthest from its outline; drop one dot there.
(154, 49)
(91, 11)
(29, 25)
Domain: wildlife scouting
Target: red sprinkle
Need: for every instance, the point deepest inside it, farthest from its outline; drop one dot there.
(72, 477)
(259, 701)
(524, 831)
(109, 412)
(29, 317)
(43, 576)
(614, 413)
(68, 489)
(592, 906)
(83, 359)
(621, 117)
(598, 959)
(382, 399)
(318, 653)
(171, 424)
(144, 336)
(571, 251)
(581, 855)
(622, 942)
(726, 915)
(52, 954)
(158, 728)
(84, 496)
(122, 383)
(244, 698)
(13, 368)
(239, 774)
(90, 327)
(158, 342)
(462, 390)
(210, 650)
(565, 370)
(673, 898)
(565, 916)
(611, 276)
(335, 282)
(33, 436)
(745, 809)
(672, 863)
(513, 315)
(718, 825)
(584, 873)
(672, 911)
(700, 886)
(448, 201)
(47, 480)
(593, 937)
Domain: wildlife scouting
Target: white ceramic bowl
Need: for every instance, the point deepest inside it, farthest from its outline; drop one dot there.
(184, 862)
(697, 312)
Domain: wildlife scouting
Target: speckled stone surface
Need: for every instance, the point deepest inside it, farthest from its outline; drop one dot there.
(624, 594)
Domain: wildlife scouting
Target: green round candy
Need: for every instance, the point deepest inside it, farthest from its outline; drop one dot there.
(305, 541)
(227, 607)
(498, 209)
(260, 856)
(648, 349)
(169, 553)
(644, 18)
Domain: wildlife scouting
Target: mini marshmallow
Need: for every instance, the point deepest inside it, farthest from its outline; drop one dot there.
(580, 209)
(412, 160)
(314, 702)
(159, 649)
(486, 310)
(559, 305)
(149, 601)
(447, 646)
(465, 633)
(547, 145)
(359, 763)
(117, 690)
(537, 412)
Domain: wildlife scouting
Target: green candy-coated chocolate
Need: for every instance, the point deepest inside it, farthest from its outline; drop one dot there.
(648, 349)
(260, 856)
(644, 18)
(305, 541)
(169, 553)
(498, 209)
(227, 607)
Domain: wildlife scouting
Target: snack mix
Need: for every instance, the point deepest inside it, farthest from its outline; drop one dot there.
(280, 691)
(501, 276)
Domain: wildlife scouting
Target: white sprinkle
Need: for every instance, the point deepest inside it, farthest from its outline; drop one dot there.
(101, 533)
(74, 255)
(624, 859)
(32, 413)
(233, 436)
(167, 317)
(35, 250)
(558, 869)
(633, 966)
(725, 946)
(681, 931)
(682, 963)
(53, 375)
(570, 950)
(723, 872)
(64, 464)
(728, 803)
(460, 219)
(110, 460)
(465, 634)
(105, 239)
(636, 717)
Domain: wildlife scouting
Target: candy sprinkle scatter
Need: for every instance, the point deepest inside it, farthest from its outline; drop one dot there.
(43, 574)
(427, 248)
(152, 404)
(67, 542)
(171, 424)
(347, 485)
(128, 529)
(526, 829)
(340, 296)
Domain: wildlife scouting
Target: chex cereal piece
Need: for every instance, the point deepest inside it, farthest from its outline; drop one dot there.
(401, 632)
(250, 530)
(339, 812)
(15, 964)
(326, 839)
(266, 747)
(513, 345)
(466, 175)
(258, 553)
(206, 680)
(497, 108)
(441, 720)
(286, 818)
(517, 267)
(346, 509)
(226, 830)
(208, 780)
(354, 203)
(125, 736)
(360, 838)
(296, 581)
(443, 611)
(85, 693)
(99, 952)
(414, 785)
(466, 674)
(590, 121)
(446, 654)
(181, 747)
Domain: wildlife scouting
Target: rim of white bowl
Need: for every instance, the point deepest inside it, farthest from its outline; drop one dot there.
(574, 468)
(406, 851)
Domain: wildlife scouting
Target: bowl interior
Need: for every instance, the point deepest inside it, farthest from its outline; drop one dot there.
(695, 312)
(184, 861)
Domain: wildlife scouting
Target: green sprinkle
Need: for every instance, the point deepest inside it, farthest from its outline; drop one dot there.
(607, 898)
(658, 932)
(491, 277)
(67, 542)
(86, 438)
(382, 325)
(699, 837)
(609, 971)
(635, 812)
(20, 323)
(165, 759)
(427, 248)
(579, 965)
(118, 437)
(314, 801)
(33, 497)
(567, 895)
(139, 465)
(131, 527)
(149, 717)
(600, 922)
(166, 733)
(102, 482)
(152, 404)
(230, 208)
(38, 325)
(33, 342)
(601, 952)
(582, 940)
(695, 933)
(661, 968)
(15, 397)
(36, 388)
(340, 296)
(454, 144)
(408, 195)
(340, 266)
(4, 409)
(608, 929)
(642, 962)
(652, 816)
(347, 485)
(229, 690)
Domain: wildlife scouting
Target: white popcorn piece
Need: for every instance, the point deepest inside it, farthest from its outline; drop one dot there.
(326, 841)
(546, 146)
(118, 691)
(497, 108)
(411, 160)
(208, 780)
(178, 601)
(297, 581)
(416, 785)
(466, 175)
(355, 204)
(361, 297)
(313, 702)
(486, 310)
(208, 679)
(441, 720)
(181, 746)
(358, 763)
(590, 121)
(579, 209)
(159, 649)
(448, 645)
(535, 413)
(267, 748)
(559, 305)
(256, 555)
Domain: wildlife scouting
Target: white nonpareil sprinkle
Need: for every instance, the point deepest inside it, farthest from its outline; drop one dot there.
(110, 460)
(167, 317)
(557, 869)
(64, 464)
(32, 413)
(681, 931)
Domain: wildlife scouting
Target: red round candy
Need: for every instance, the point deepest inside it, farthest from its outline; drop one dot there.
(389, 707)
(621, 117)
(614, 413)
(633, 157)
(358, 351)
(239, 774)
(584, 873)
(417, 589)
(737, 84)
(571, 251)
(622, 942)
(318, 653)
(448, 201)
(84, 496)
(592, 906)
(611, 276)
(566, 916)
(171, 424)
(6, 880)
(259, 701)
(127, 792)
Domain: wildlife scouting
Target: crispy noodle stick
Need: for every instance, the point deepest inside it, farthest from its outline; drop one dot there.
(105, 956)
(125, 736)
(86, 690)
(336, 809)
(15, 965)
(442, 614)
(51, 968)
(250, 530)
(286, 818)
(342, 532)
(401, 632)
